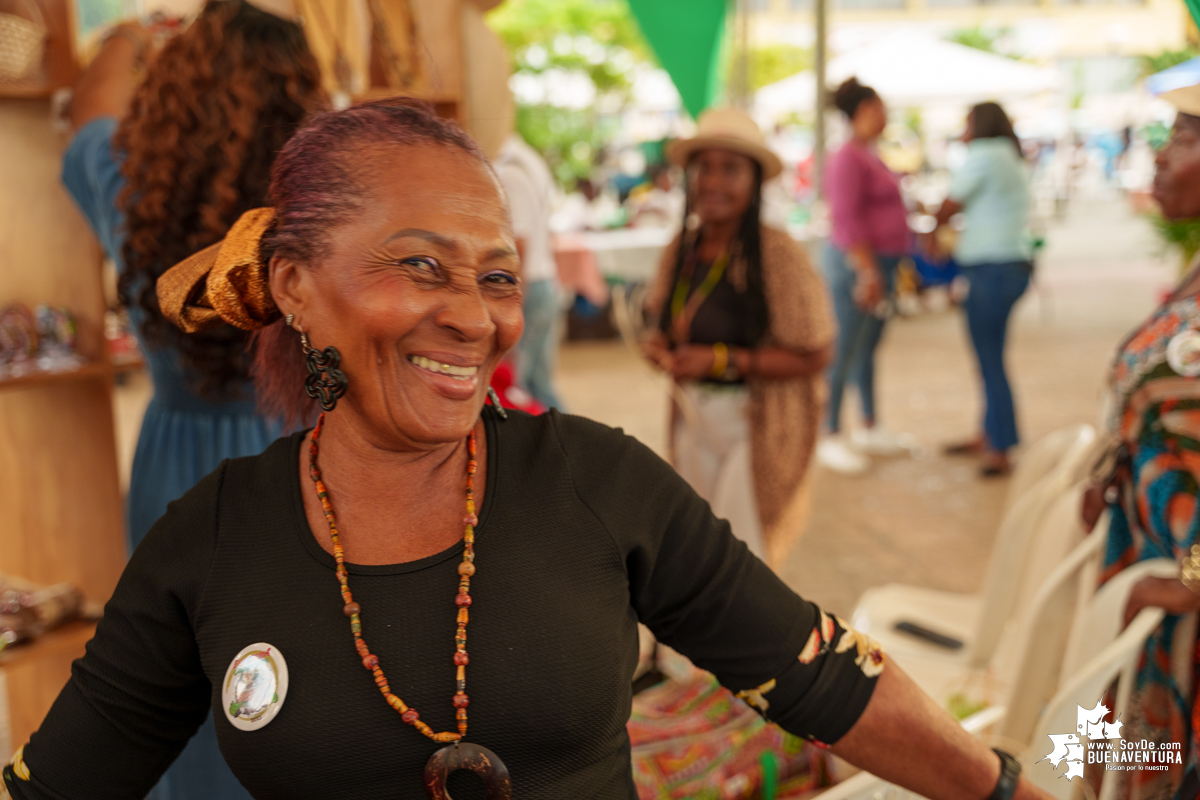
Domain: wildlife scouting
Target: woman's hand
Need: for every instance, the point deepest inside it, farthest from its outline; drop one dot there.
(106, 87)
(1169, 594)
(692, 362)
(133, 30)
(1093, 505)
(658, 352)
(868, 288)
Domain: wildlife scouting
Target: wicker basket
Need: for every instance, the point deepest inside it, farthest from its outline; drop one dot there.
(22, 43)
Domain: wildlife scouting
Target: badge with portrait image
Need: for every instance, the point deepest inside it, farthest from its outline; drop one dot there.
(255, 686)
(1183, 354)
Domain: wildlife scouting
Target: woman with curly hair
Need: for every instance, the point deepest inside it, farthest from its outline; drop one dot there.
(161, 169)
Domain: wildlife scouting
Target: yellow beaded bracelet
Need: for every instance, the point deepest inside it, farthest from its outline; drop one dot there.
(720, 360)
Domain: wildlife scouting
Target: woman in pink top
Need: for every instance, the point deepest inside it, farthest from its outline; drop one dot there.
(870, 234)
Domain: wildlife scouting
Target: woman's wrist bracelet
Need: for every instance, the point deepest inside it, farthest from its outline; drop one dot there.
(1010, 775)
(1189, 569)
(720, 360)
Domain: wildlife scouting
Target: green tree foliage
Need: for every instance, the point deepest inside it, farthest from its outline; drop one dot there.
(1150, 64)
(775, 62)
(982, 37)
(598, 38)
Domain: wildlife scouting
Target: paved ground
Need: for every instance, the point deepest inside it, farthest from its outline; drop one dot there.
(927, 520)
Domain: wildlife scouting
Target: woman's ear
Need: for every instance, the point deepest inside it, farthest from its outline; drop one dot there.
(290, 286)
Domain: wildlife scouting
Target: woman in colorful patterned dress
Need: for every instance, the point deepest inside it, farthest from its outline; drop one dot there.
(1152, 492)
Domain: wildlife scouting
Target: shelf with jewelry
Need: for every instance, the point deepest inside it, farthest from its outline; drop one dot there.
(38, 56)
(64, 515)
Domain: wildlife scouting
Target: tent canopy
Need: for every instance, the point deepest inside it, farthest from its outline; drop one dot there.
(687, 36)
(911, 69)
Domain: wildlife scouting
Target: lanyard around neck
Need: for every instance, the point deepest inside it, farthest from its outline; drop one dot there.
(684, 302)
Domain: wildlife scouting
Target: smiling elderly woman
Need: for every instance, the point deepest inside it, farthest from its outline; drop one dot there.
(412, 515)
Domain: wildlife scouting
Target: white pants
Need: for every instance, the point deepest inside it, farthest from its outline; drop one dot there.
(712, 453)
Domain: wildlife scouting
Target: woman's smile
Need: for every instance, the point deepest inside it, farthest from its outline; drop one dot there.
(456, 381)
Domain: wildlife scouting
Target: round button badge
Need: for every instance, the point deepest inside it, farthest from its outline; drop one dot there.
(255, 686)
(1183, 354)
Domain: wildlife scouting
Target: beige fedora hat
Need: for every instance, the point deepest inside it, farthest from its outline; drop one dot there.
(727, 129)
(1185, 99)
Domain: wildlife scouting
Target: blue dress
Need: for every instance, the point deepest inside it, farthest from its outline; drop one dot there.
(183, 437)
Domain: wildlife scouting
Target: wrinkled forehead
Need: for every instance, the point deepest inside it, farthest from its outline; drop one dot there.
(428, 180)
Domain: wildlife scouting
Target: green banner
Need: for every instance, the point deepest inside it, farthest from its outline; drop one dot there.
(1194, 7)
(688, 37)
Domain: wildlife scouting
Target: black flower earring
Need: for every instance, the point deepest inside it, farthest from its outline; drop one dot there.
(325, 382)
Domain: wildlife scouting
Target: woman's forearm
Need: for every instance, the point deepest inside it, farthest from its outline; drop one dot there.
(904, 737)
(778, 363)
(861, 257)
(947, 210)
(106, 87)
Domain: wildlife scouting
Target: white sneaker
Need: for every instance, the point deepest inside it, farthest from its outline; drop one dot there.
(879, 441)
(833, 453)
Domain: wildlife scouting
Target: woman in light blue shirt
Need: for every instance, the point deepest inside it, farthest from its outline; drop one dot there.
(991, 190)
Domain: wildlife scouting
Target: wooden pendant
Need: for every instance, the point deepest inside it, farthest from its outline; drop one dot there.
(471, 757)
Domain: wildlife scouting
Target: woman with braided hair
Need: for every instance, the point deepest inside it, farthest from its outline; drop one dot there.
(745, 330)
(161, 169)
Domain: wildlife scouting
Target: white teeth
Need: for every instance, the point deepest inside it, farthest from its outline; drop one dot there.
(458, 373)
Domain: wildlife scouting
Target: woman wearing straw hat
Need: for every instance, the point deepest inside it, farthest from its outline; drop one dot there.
(1151, 484)
(745, 330)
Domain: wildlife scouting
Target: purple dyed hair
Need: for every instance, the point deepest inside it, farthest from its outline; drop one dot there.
(317, 184)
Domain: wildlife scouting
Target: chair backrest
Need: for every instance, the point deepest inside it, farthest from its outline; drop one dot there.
(1039, 460)
(1029, 665)
(1099, 653)
(1010, 557)
(1102, 620)
(1056, 533)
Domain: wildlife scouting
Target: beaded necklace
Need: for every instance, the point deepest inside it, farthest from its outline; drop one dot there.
(463, 600)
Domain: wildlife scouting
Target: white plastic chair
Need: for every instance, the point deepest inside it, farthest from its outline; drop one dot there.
(976, 619)
(1039, 460)
(1024, 671)
(1099, 653)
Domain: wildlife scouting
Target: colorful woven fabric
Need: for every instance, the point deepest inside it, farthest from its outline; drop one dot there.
(1156, 416)
(693, 739)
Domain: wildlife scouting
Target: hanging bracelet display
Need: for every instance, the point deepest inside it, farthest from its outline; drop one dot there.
(1189, 569)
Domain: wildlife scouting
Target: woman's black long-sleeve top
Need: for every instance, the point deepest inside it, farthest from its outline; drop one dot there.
(583, 532)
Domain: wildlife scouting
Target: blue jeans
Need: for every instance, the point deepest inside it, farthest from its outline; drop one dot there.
(538, 348)
(995, 289)
(858, 334)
